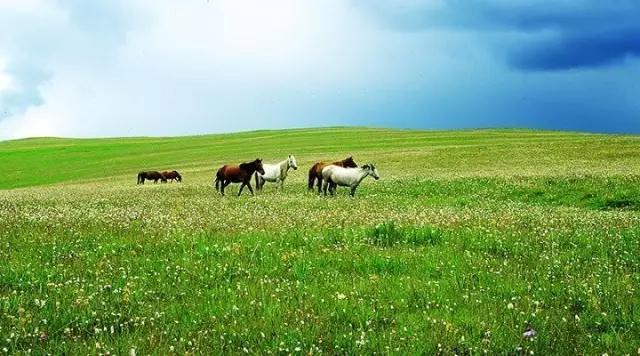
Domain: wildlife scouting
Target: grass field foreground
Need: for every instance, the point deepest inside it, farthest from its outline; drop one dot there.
(469, 239)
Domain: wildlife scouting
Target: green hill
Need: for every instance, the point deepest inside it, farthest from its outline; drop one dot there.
(41, 161)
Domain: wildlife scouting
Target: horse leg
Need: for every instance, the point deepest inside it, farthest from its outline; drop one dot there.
(319, 183)
(353, 191)
(259, 183)
(225, 183)
(241, 187)
(249, 186)
(332, 188)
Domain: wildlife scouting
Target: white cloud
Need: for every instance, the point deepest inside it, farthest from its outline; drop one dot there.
(5, 78)
(201, 66)
(80, 68)
(191, 67)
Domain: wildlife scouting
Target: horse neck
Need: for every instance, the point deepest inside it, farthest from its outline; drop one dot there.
(249, 167)
(363, 174)
(284, 167)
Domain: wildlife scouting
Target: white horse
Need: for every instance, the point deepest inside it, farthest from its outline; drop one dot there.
(346, 177)
(276, 173)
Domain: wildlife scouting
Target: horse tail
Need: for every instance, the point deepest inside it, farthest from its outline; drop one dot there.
(312, 176)
(219, 177)
(140, 179)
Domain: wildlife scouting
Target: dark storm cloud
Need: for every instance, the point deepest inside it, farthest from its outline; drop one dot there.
(557, 34)
(584, 49)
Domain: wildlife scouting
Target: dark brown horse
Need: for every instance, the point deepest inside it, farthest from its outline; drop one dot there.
(155, 176)
(172, 175)
(315, 173)
(241, 173)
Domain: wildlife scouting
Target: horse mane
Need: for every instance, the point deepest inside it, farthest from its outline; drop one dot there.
(349, 160)
(249, 165)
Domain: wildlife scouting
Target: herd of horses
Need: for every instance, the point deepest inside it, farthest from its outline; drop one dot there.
(325, 176)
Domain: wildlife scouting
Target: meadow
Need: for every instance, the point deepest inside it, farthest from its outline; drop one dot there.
(469, 239)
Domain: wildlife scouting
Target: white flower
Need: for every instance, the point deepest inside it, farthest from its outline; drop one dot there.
(529, 333)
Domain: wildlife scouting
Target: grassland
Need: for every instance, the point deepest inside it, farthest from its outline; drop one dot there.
(469, 238)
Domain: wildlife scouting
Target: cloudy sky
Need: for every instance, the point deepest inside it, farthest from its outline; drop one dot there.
(137, 67)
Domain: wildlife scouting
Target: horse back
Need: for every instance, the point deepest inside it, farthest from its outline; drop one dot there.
(151, 174)
(232, 173)
(317, 168)
(169, 174)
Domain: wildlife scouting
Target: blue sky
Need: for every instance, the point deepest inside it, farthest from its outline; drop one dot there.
(120, 68)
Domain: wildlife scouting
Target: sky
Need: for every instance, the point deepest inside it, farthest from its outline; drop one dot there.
(78, 68)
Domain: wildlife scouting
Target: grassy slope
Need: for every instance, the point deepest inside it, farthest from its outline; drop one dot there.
(469, 237)
(465, 153)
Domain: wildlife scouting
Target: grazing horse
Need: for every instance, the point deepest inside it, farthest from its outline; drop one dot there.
(276, 173)
(172, 175)
(151, 175)
(346, 177)
(316, 170)
(241, 173)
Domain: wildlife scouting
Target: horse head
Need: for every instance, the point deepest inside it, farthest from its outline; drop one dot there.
(258, 165)
(371, 169)
(291, 162)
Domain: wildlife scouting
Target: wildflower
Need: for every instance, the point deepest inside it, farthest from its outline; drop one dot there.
(510, 306)
(529, 333)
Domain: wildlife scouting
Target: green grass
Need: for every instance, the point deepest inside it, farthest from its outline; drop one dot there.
(469, 238)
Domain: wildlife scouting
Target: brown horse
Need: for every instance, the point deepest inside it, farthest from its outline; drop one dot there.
(241, 173)
(172, 175)
(316, 170)
(155, 176)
